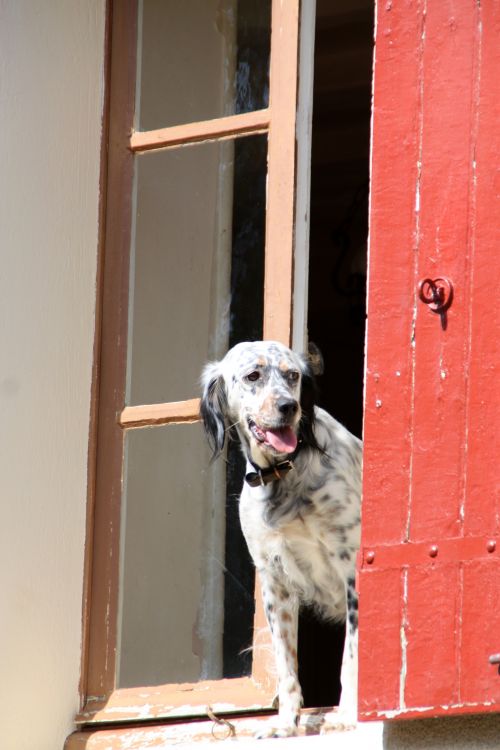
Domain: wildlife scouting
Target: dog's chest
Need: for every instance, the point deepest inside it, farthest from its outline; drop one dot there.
(307, 550)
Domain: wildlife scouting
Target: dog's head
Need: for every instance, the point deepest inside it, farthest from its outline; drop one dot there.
(264, 390)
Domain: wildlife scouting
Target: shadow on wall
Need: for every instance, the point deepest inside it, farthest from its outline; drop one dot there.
(450, 733)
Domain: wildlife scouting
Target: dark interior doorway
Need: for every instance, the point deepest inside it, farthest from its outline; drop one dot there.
(336, 313)
(337, 266)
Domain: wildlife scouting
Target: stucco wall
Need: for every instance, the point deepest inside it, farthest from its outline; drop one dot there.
(51, 89)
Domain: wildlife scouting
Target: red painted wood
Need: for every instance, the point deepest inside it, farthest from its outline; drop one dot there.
(431, 432)
(437, 550)
(429, 619)
(390, 295)
(379, 648)
(482, 498)
(480, 636)
(443, 249)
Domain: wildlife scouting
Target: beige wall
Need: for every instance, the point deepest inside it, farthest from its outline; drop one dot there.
(51, 89)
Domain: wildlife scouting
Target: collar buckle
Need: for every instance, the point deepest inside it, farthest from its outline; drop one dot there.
(261, 477)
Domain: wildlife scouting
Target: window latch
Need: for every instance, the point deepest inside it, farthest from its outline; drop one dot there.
(438, 295)
(229, 728)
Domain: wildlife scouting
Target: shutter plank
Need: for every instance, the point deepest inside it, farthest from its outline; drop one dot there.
(480, 681)
(379, 644)
(482, 500)
(387, 427)
(443, 249)
(432, 614)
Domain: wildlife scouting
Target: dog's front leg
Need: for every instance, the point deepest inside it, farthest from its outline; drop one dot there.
(346, 715)
(281, 607)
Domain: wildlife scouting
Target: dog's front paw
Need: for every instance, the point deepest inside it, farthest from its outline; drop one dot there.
(274, 728)
(339, 721)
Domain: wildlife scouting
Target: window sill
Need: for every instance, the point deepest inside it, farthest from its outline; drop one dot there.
(185, 734)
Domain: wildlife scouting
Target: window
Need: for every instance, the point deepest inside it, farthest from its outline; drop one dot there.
(191, 264)
(198, 254)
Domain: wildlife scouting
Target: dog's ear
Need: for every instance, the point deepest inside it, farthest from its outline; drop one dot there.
(315, 359)
(308, 398)
(213, 407)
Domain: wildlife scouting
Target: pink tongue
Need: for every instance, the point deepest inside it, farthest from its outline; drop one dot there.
(283, 441)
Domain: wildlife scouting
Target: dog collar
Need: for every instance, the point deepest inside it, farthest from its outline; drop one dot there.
(261, 477)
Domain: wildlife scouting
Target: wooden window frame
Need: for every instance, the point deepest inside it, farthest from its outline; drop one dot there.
(102, 702)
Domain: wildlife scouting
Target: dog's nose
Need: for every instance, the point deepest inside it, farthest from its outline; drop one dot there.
(288, 407)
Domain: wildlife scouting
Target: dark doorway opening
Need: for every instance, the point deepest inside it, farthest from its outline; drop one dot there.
(336, 311)
(337, 265)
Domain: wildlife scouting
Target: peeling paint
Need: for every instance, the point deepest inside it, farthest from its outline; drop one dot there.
(434, 710)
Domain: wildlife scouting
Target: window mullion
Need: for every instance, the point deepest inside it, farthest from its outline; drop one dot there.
(278, 284)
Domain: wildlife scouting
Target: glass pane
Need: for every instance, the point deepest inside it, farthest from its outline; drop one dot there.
(201, 59)
(197, 263)
(173, 601)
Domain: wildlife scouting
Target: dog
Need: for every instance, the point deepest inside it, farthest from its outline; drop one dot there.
(299, 506)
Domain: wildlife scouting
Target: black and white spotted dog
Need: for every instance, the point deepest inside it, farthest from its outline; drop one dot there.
(299, 507)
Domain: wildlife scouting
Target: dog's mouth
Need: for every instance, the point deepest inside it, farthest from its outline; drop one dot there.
(282, 439)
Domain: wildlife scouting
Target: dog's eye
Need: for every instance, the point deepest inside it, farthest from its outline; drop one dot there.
(293, 376)
(253, 376)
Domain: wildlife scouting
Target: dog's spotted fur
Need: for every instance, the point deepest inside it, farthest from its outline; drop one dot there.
(303, 529)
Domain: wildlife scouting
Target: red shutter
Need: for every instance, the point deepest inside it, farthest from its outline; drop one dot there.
(429, 567)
